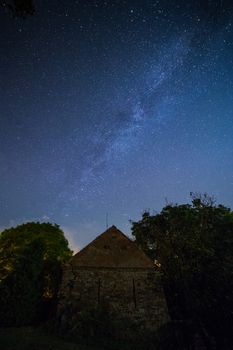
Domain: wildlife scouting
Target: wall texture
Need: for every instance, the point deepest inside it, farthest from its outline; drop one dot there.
(113, 274)
(131, 294)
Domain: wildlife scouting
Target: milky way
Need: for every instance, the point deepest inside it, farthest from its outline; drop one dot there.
(114, 107)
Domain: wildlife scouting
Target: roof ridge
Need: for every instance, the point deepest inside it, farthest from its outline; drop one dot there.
(100, 235)
(116, 255)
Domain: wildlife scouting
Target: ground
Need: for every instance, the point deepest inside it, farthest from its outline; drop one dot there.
(28, 338)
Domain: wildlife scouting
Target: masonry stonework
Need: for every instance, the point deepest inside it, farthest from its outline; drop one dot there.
(112, 271)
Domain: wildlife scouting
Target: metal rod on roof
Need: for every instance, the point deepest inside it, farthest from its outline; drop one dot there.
(107, 220)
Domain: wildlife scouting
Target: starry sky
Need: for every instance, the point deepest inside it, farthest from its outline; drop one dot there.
(114, 107)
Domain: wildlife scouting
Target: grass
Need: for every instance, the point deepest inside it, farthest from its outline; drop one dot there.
(27, 338)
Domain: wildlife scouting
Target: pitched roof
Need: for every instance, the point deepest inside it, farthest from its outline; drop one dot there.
(112, 249)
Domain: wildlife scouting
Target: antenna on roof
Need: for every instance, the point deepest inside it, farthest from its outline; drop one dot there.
(107, 220)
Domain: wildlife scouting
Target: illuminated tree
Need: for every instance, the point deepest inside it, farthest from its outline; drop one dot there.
(30, 269)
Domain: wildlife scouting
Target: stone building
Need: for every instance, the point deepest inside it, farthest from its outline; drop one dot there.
(113, 272)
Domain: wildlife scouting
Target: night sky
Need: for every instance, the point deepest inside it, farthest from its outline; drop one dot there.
(114, 107)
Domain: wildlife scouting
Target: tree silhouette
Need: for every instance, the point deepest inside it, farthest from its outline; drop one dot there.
(30, 270)
(193, 245)
(19, 8)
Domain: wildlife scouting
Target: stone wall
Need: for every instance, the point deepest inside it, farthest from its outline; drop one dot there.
(133, 294)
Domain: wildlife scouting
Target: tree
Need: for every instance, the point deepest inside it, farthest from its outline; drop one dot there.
(19, 8)
(30, 269)
(193, 244)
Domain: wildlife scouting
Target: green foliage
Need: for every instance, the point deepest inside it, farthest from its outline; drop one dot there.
(20, 290)
(30, 269)
(94, 323)
(194, 246)
(97, 326)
